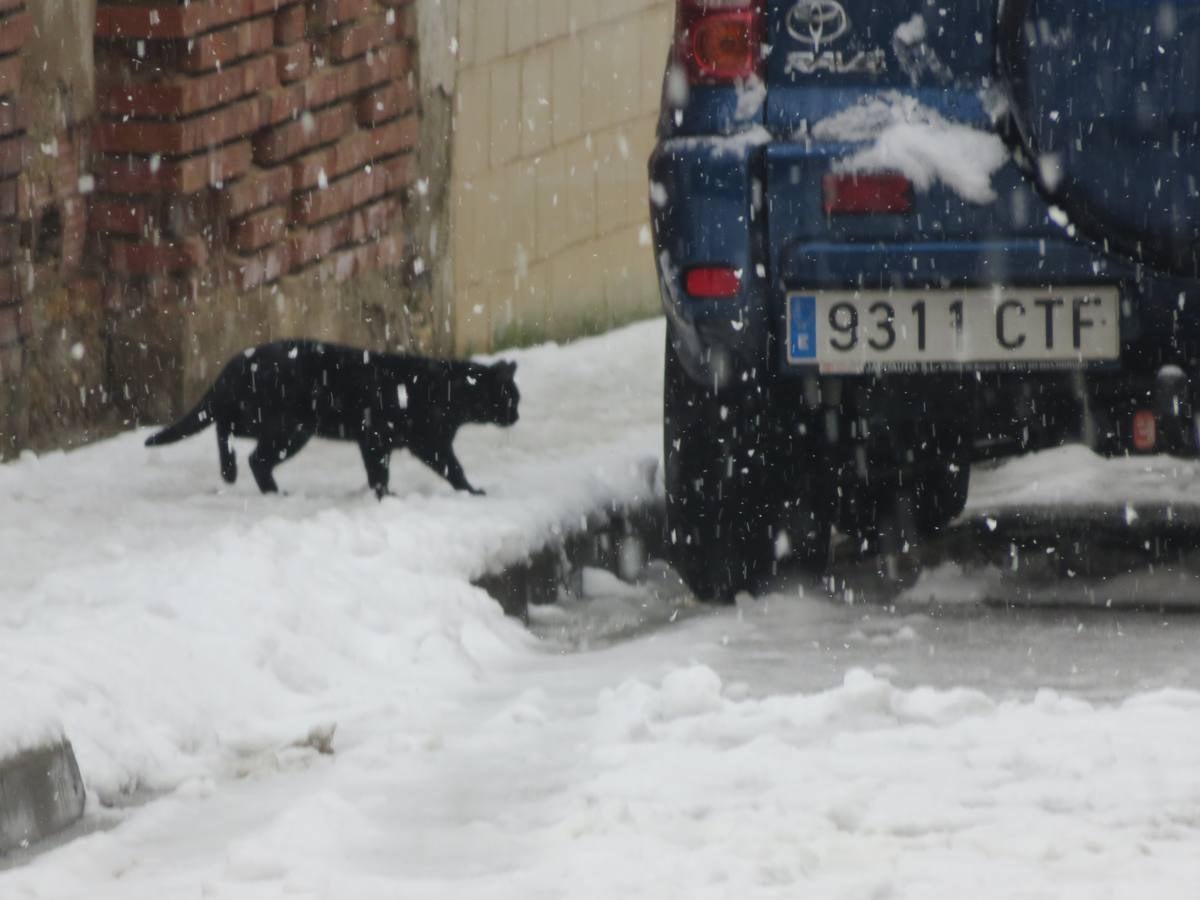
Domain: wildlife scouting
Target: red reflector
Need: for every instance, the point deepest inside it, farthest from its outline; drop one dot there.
(713, 282)
(860, 194)
(724, 46)
(1145, 431)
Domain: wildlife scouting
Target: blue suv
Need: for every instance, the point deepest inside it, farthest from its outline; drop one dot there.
(895, 238)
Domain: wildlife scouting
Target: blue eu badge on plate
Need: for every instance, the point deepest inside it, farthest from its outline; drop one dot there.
(802, 316)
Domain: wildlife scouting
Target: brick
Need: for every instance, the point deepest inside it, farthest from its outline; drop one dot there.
(293, 63)
(355, 228)
(346, 193)
(384, 253)
(185, 96)
(362, 187)
(400, 171)
(289, 25)
(10, 325)
(10, 74)
(10, 240)
(266, 187)
(135, 175)
(10, 285)
(331, 13)
(15, 31)
(282, 103)
(335, 82)
(13, 116)
(56, 178)
(262, 268)
(137, 259)
(12, 362)
(8, 198)
(14, 154)
(352, 152)
(311, 130)
(182, 137)
(385, 103)
(120, 216)
(74, 233)
(258, 230)
(220, 48)
(161, 21)
(352, 41)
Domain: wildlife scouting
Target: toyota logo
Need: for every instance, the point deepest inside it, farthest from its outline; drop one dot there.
(817, 22)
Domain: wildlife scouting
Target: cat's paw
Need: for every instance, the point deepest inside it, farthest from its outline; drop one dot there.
(477, 492)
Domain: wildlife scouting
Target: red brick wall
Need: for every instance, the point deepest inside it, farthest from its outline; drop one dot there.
(244, 140)
(238, 151)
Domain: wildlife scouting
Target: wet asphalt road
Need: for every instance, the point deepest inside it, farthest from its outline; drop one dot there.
(1088, 605)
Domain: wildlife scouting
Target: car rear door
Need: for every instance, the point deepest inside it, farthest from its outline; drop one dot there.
(843, 75)
(1107, 99)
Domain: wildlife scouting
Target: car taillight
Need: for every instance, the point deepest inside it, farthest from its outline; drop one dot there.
(719, 41)
(713, 282)
(863, 193)
(1145, 431)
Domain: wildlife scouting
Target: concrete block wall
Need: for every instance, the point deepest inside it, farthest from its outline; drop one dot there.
(555, 110)
(49, 298)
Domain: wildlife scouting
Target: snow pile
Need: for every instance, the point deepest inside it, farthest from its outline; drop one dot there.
(24, 725)
(751, 95)
(177, 627)
(912, 31)
(737, 145)
(917, 141)
(317, 703)
(868, 790)
(1073, 477)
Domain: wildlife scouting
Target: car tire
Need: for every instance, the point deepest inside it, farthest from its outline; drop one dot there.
(939, 494)
(730, 491)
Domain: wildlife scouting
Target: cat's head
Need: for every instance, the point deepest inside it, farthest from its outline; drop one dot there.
(499, 398)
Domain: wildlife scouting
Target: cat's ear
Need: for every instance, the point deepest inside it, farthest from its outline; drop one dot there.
(506, 370)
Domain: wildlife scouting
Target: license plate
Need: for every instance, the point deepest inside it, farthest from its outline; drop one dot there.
(859, 331)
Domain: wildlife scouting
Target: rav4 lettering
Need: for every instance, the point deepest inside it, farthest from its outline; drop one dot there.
(864, 62)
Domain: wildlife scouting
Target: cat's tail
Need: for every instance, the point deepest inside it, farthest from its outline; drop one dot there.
(193, 423)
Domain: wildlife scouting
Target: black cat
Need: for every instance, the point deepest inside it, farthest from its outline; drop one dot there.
(286, 392)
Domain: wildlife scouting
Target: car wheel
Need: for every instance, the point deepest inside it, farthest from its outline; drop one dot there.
(939, 494)
(731, 491)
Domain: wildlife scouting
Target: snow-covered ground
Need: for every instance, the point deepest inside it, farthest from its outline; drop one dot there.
(206, 648)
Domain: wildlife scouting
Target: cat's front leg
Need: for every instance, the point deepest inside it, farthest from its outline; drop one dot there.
(445, 463)
(451, 469)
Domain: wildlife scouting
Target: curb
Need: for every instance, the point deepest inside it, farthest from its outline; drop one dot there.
(41, 793)
(619, 540)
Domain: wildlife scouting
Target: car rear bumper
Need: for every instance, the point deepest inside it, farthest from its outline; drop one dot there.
(713, 206)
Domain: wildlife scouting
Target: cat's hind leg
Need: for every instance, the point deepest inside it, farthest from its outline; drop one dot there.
(377, 458)
(273, 448)
(225, 451)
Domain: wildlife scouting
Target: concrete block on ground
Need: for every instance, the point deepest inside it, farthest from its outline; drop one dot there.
(41, 793)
